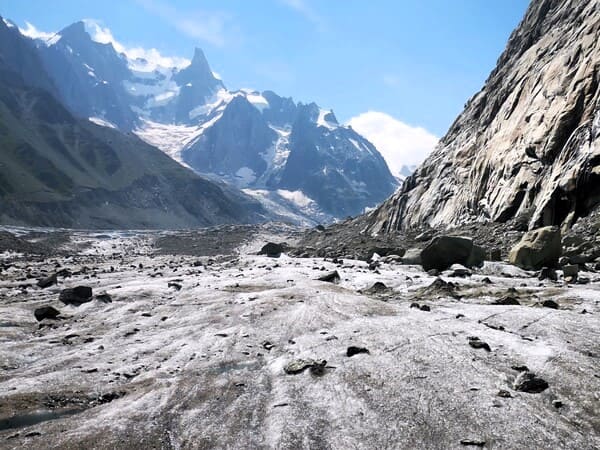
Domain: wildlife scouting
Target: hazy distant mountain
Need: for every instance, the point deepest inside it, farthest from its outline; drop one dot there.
(255, 141)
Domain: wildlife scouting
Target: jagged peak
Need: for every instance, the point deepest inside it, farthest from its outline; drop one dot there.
(76, 30)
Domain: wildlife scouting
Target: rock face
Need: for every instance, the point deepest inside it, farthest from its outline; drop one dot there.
(526, 145)
(538, 248)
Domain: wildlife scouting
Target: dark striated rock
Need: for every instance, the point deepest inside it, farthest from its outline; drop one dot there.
(547, 273)
(529, 382)
(439, 288)
(571, 271)
(48, 281)
(507, 300)
(550, 304)
(477, 343)
(76, 296)
(174, 285)
(46, 312)
(352, 350)
(272, 250)
(104, 298)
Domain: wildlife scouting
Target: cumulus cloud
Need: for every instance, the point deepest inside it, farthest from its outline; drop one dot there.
(399, 143)
(153, 57)
(32, 32)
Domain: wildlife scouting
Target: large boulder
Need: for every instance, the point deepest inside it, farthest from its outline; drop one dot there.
(538, 248)
(443, 251)
(272, 249)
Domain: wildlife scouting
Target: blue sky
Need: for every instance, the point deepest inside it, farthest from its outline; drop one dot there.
(417, 61)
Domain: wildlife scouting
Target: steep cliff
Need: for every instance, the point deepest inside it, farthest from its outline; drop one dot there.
(526, 145)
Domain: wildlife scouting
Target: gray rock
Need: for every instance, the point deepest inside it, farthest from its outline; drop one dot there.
(300, 365)
(537, 249)
(513, 155)
(331, 277)
(412, 257)
(460, 271)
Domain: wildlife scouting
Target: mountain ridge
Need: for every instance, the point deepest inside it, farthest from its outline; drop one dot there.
(244, 137)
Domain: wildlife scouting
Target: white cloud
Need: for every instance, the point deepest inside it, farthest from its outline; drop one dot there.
(207, 26)
(32, 32)
(399, 143)
(305, 9)
(153, 57)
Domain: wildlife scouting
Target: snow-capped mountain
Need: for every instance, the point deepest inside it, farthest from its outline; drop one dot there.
(257, 141)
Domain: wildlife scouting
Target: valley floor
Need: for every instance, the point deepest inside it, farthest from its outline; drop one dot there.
(192, 350)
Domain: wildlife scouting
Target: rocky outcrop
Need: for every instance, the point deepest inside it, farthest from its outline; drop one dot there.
(526, 145)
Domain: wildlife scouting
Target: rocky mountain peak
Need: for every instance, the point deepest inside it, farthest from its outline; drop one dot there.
(199, 60)
(75, 31)
(198, 72)
(525, 146)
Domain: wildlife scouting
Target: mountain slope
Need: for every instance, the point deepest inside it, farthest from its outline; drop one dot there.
(527, 144)
(56, 170)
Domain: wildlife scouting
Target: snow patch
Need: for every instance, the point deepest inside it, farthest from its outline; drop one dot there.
(220, 99)
(277, 154)
(9, 24)
(245, 176)
(323, 122)
(297, 197)
(102, 122)
(258, 101)
(170, 138)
